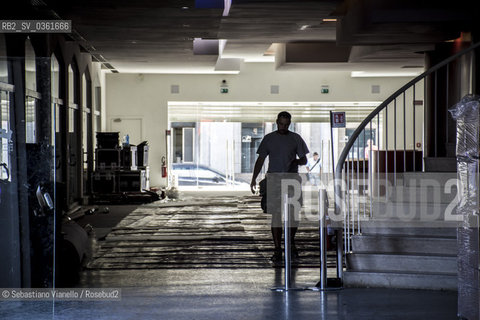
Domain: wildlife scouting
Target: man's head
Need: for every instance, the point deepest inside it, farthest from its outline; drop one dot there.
(283, 122)
(315, 156)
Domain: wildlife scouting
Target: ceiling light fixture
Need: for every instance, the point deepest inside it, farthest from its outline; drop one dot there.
(282, 104)
(329, 20)
(366, 74)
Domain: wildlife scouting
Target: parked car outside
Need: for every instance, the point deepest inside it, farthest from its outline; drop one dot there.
(191, 174)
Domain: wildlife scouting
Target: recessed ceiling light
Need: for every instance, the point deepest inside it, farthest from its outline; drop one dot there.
(304, 27)
(360, 74)
(329, 20)
(185, 8)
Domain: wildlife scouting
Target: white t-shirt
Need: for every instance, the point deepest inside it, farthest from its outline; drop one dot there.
(314, 168)
(282, 149)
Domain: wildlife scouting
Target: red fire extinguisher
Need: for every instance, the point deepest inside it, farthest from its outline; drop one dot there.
(164, 168)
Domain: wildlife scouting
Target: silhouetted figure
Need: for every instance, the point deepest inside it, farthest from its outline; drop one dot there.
(282, 147)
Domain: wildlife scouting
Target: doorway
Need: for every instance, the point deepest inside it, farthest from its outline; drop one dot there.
(252, 135)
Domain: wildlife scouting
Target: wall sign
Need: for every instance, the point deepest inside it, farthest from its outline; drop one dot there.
(338, 120)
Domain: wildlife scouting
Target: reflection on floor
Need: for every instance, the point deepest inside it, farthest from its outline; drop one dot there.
(209, 259)
(221, 232)
(184, 294)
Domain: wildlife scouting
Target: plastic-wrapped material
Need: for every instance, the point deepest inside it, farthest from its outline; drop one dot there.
(468, 131)
(466, 113)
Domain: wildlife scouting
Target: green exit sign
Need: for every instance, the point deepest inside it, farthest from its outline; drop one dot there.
(223, 90)
(324, 89)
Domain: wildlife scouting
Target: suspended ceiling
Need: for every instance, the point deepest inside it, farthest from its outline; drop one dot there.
(158, 36)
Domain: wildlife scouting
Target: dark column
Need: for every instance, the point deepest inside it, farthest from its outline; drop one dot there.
(62, 146)
(443, 89)
(44, 87)
(78, 136)
(90, 149)
(476, 63)
(16, 53)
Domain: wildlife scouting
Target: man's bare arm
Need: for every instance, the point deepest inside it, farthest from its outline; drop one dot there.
(256, 171)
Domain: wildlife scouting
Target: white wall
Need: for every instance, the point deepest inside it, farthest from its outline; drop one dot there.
(146, 96)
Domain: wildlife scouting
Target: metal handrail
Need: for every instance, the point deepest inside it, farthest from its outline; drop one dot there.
(383, 105)
(351, 211)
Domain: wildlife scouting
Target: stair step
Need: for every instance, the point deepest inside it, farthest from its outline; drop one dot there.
(400, 280)
(414, 211)
(410, 228)
(432, 193)
(441, 164)
(402, 263)
(404, 244)
(413, 179)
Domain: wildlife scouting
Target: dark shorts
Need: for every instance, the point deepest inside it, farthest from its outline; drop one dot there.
(292, 185)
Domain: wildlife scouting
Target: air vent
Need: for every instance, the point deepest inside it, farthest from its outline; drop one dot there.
(274, 89)
(375, 88)
(175, 89)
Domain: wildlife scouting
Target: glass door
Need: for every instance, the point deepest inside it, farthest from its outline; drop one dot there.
(6, 138)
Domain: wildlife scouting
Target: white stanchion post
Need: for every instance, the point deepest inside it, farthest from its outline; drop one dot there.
(287, 245)
(286, 227)
(322, 195)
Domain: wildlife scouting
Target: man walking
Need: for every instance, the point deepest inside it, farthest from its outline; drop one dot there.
(286, 151)
(313, 168)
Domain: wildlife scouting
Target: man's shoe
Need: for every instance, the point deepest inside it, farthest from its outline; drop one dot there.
(277, 256)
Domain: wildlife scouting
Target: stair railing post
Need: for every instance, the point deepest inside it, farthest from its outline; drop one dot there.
(339, 234)
(323, 284)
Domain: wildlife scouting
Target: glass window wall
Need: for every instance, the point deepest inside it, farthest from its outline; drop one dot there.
(5, 141)
(223, 139)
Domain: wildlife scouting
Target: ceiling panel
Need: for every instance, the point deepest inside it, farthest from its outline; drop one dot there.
(135, 34)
